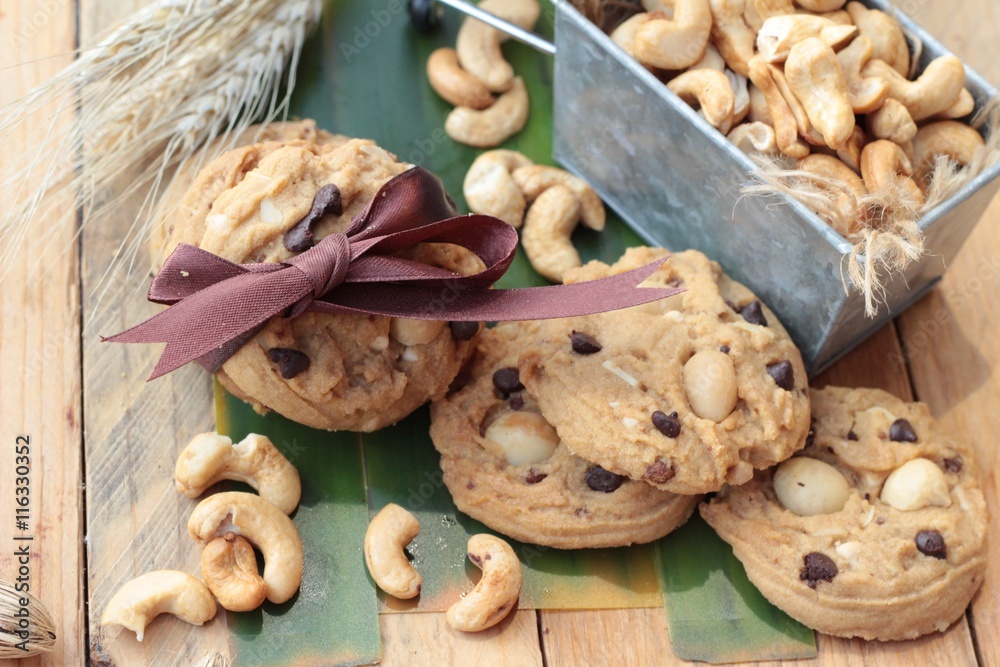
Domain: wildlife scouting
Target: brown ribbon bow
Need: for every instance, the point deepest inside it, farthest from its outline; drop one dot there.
(216, 306)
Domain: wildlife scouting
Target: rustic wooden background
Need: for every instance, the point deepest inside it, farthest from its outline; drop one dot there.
(104, 441)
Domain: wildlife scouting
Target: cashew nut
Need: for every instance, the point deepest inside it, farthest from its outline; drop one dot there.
(780, 33)
(710, 384)
(809, 487)
(758, 106)
(838, 16)
(786, 130)
(675, 43)
(935, 90)
(839, 179)
(414, 332)
(821, 5)
(754, 137)
(624, 34)
(805, 127)
(709, 91)
(958, 141)
(667, 7)
(741, 95)
(885, 167)
(496, 593)
(865, 94)
(387, 535)
(144, 598)
(711, 60)
(478, 44)
(815, 77)
(850, 154)
(963, 106)
(891, 121)
(229, 567)
(886, 34)
(453, 83)
(264, 526)
(916, 484)
(493, 126)
(490, 189)
(210, 458)
(535, 179)
(757, 11)
(522, 437)
(547, 229)
(732, 36)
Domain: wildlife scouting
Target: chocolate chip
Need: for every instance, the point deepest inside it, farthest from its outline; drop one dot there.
(851, 435)
(300, 237)
(902, 431)
(724, 349)
(290, 362)
(507, 381)
(810, 436)
(516, 402)
(668, 425)
(584, 343)
(470, 486)
(783, 374)
(753, 313)
(659, 472)
(605, 481)
(463, 330)
(534, 477)
(476, 559)
(930, 543)
(818, 567)
(880, 520)
(953, 464)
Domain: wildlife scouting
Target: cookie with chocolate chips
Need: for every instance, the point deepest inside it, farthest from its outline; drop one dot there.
(505, 465)
(875, 530)
(267, 202)
(686, 393)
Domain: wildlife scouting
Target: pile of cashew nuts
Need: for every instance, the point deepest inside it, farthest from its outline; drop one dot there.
(491, 103)
(229, 526)
(503, 183)
(790, 79)
(492, 599)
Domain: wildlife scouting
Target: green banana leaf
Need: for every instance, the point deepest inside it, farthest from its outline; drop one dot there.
(363, 74)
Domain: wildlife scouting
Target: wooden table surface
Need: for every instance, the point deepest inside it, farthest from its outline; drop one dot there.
(104, 441)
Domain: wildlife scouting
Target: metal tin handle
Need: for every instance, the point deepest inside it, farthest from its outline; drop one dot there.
(423, 13)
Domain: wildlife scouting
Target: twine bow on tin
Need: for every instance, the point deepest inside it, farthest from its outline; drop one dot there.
(216, 306)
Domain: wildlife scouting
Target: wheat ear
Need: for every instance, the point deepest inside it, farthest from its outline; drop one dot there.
(40, 633)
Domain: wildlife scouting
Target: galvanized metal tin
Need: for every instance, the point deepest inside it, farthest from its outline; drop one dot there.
(676, 181)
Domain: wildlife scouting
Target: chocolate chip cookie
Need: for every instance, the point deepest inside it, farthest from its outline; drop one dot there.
(876, 530)
(267, 202)
(686, 393)
(504, 464)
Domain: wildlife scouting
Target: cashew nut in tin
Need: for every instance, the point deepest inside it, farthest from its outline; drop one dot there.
(496, 593)
(838, 16)
(709, 91)
(535, 179)
(624, 34)
(780, 33)
(819, 6)
(885, 168)
(493, 126)
(758, 106)
(675, 43)
(711, 60)
(841, 181)
(229, 568)
(850, 154)
(741, 96)
(786, 130)
(453, 83)
(805, 126)
(866, 94)
(755, 12)
(731, 35)
(264, 526)
(957, 141)
(963, 106)
(386, 538)
(814, 75)
(547, 229)
(210, 458)
(754, 138)
(490, 189)
(891, 121)
(886, 34)
(144, 598)
(935, 90)
(478, 44)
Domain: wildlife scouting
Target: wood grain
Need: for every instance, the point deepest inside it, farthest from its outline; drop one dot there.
(40, 350)
(426, 640)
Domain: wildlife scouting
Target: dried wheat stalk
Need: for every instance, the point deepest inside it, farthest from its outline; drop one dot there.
(40, 627)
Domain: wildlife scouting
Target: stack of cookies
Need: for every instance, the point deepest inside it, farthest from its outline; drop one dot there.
(849, 508)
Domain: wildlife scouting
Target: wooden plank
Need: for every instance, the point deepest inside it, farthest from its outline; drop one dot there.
(136, 520)
(40, 352)
(426, 640)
